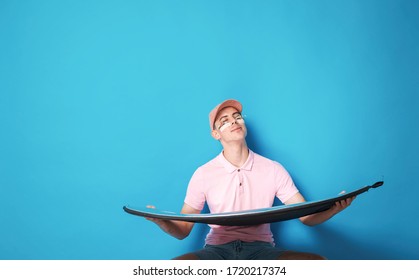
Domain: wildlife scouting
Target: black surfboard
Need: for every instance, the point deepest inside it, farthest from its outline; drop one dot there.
(254, 216)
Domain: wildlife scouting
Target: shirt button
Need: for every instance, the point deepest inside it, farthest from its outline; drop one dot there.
(238, 170)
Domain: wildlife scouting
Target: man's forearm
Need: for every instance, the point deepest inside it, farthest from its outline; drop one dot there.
(318, 218)
(177, 229)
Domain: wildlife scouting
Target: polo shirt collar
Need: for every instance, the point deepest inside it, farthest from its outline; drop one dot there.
(231, 168)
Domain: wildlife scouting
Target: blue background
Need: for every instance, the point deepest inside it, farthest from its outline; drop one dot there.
(105, 103)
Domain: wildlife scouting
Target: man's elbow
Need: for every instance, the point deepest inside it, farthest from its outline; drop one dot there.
(307, 221)
(181, 237)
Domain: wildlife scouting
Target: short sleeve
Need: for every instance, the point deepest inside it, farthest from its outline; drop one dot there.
(195, 196)
(284, 183)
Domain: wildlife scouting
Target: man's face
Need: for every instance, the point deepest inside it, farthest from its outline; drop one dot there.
(229, 125)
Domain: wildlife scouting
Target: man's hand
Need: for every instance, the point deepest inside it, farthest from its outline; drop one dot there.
(342, 204)
(178, 229)
(152, 219)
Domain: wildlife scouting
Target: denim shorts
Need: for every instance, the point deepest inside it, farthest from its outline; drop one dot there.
(239, 250)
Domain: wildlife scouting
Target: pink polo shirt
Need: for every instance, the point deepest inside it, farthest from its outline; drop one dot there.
(226, 188)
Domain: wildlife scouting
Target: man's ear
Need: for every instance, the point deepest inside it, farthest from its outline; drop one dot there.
(215, 134)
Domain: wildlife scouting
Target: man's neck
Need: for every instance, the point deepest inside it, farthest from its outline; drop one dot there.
(236, 154)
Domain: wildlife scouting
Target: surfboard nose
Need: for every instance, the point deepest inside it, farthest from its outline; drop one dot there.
(377, 184)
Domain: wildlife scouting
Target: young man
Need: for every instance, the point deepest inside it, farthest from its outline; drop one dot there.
(239, 179)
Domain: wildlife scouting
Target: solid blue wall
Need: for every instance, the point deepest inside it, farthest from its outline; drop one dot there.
(105, 103)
